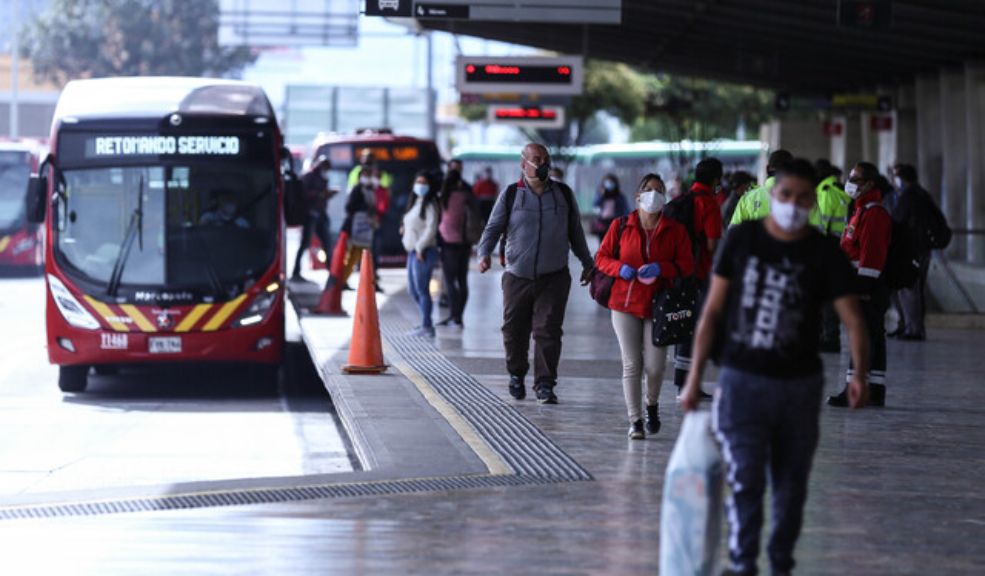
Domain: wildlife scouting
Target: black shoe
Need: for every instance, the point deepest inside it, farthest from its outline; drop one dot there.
(636, 430)
(346, 287)
(702, 395)
(877, 395)
(653, 419)
(545, 394)
(378, 289)
(839, 400)
(517, 389)
(458, 322)
(445, 322)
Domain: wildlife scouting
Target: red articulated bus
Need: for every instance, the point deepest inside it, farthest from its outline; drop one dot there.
(162, 203)
(21, 241)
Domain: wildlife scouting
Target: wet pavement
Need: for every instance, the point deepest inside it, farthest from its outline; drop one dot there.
(894, 490)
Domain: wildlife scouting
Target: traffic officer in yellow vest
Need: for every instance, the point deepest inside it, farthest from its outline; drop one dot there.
(755, 204)
(833, 204)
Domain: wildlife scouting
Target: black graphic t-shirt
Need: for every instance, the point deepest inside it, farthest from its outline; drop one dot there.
(776, 288)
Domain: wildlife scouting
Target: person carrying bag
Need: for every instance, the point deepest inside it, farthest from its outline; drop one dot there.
(643, 254)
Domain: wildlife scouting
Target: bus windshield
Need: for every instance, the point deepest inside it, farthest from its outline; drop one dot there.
(196, 225)
(13, 182)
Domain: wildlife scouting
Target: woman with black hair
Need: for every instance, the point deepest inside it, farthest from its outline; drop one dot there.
(455, 249)
(420, 238)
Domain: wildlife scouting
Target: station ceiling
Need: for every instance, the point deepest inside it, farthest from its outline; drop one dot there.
(789, 45)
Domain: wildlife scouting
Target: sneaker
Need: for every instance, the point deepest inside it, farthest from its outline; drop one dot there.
(839, 400)
(422, 331)
(445, 322)
(517, 389)
(378, 289)
(545, 394)
(653, 419)
(457, 322)
(702, 395)
(346, 287)
(636, 430)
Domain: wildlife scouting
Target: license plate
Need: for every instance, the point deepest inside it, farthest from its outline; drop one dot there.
(166, 345)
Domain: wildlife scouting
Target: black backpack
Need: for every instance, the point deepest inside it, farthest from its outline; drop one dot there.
(936, 231)
(902, 267)
(510, 192)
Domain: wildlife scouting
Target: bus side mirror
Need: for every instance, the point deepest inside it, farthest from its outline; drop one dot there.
(294, 208)
(37, 196)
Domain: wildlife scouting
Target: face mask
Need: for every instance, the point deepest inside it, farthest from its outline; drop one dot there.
(541, 171)
(365, 181)
(788, 215)
(609, 185)
(898, 182)
(324, 174)
(421, 189)
(652, 201)
(375, 181)
(673, 191)
(851, 189)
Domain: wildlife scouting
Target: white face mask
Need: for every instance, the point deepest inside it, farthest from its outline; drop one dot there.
(851, 189)
(788, 215)
(652, 201)
(673, 191)
(365, 181)
(898, 182)
(421, 189)
(375, 181)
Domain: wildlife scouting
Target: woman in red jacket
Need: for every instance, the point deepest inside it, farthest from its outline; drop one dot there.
(653, 250)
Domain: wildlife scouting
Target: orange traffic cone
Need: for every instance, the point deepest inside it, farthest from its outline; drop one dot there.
(365, 348)
(331, 297)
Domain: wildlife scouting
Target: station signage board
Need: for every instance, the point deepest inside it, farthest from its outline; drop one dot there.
(537, 11)
(549, 117)
(562, 75)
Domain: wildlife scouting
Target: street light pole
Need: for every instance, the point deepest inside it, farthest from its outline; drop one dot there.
(14, 66)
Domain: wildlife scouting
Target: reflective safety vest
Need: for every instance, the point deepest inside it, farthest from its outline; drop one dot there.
(833, 204)
(755, 205)
(385, 179)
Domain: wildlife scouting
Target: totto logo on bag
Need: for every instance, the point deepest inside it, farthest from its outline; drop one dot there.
(678, 315)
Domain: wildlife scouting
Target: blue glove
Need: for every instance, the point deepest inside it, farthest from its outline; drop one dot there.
(650, 270)
(627, 272)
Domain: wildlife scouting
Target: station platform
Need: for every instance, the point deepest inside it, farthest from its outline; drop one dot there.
(455, 477)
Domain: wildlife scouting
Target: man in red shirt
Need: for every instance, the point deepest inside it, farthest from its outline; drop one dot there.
(704, 224)
(866, 242)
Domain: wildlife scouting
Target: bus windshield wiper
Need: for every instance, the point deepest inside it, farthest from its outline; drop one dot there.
(134, 229)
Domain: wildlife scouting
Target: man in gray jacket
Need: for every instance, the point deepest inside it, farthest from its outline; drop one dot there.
(541, 222)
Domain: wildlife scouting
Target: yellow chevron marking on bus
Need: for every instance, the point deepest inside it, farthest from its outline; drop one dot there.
(107, 314)
(137, 317)
(4, 242)
(220, 317)
(193, 317)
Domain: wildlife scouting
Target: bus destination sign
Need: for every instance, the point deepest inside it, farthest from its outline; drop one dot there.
(115, 146)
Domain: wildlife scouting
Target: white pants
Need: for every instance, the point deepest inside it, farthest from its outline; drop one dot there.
(638, 354)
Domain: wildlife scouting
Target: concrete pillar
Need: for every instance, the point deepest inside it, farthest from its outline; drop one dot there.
(804, 138)
(954, 146)
(869, 138)
(846, 147)
(929, 155)
(905, 124)
(975, 186)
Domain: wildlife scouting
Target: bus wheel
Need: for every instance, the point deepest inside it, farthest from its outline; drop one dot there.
(106, 369)
(73, 378)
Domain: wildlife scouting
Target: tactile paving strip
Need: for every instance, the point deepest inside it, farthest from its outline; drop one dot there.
(514, 438)
(265, 496)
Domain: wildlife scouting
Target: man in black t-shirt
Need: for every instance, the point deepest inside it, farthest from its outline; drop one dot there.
(763, 307)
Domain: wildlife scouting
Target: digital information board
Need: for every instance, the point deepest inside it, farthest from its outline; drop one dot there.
(549, 117)
(539, 11)
(523, 75)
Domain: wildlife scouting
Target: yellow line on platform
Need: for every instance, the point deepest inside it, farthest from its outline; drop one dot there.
(489, 457)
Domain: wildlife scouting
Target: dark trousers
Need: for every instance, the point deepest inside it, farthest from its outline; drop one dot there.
(874, 313)
(534, 306)
(768, 430)
(455, 267)
(912, 303)
(682, 351)
(314, 223)
(830, 325)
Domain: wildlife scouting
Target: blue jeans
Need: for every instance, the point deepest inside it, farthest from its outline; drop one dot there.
(419, 279)
(768, 430)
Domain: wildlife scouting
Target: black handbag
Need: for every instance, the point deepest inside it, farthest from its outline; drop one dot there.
(675, 311)
(600, 283)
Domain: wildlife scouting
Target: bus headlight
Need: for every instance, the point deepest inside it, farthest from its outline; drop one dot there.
(71, 310)
(258, 308)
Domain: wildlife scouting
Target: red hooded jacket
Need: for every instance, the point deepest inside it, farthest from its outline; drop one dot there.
(667, 244)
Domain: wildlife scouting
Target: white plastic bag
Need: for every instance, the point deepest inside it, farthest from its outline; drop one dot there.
(690, 518)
